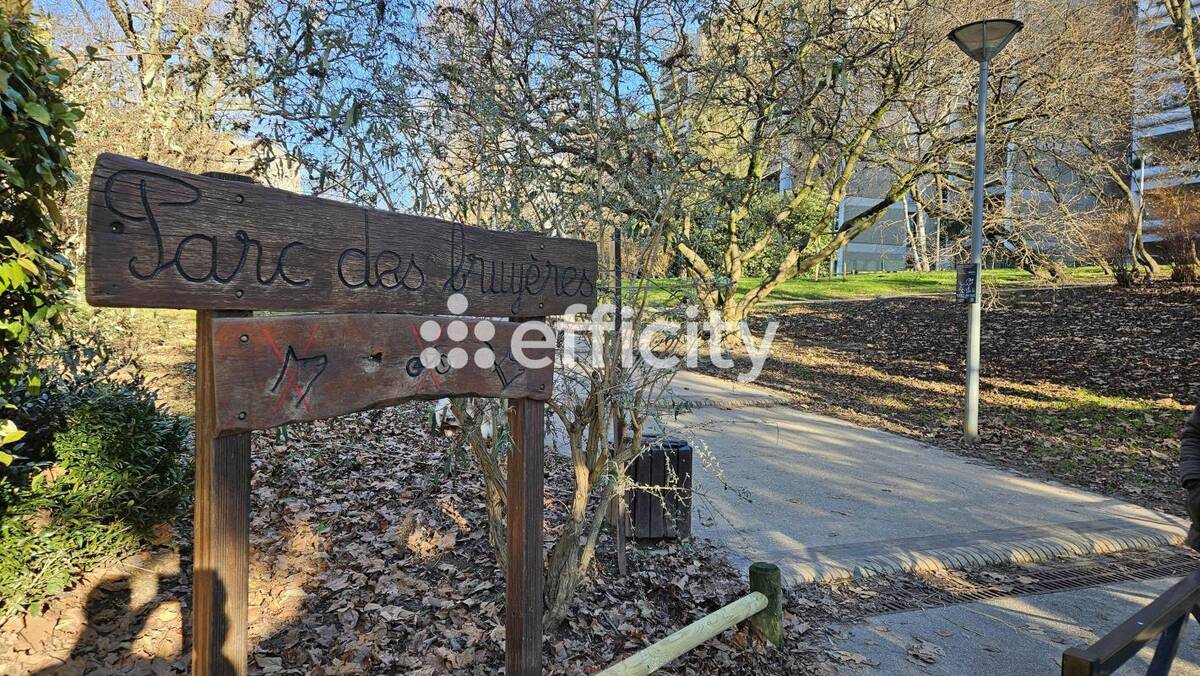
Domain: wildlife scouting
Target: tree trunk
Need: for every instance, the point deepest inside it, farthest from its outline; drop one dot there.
(914, 223)
(1141, 256)
(1184, 22)
(562, 575)
(1138, 240)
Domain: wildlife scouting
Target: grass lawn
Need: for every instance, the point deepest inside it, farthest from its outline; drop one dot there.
(878, 284)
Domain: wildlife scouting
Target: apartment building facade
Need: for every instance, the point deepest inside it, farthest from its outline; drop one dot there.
(1163, 122)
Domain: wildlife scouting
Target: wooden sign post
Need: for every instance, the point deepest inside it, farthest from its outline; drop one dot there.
(158, 237)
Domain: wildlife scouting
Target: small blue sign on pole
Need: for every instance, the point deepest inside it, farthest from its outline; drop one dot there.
(968, 277)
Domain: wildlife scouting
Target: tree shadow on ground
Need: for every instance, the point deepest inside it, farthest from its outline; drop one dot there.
(125, 634)
(1089, 424)
(121, 636)
(1130, 344)
(117, 635)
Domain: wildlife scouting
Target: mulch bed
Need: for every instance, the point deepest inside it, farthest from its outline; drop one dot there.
(1085, 386)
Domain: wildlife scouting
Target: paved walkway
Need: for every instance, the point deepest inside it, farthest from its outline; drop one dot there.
(1015, 635)
(825, 498)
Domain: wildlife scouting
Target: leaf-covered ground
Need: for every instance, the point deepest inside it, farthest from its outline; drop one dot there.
(1086, 386)
(369, 549)
(370, 555)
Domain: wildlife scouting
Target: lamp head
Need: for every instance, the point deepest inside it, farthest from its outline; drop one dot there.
(982, 40)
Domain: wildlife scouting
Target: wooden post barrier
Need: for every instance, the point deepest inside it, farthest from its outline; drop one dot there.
(765, 601)
(768, 624)
(158, 237)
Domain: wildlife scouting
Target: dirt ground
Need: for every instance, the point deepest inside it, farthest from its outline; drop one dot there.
(1087, 386)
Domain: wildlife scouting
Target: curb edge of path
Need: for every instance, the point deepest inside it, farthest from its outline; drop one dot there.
(785, 302)
(973, 556)
(733, 402)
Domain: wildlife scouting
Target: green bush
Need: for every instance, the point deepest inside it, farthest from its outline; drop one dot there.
(121, 454)
(36, 131)
(62, 365)
(113, 470)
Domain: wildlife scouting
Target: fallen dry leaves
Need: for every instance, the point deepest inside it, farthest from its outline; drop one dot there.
(1087, 386)
(369, 555)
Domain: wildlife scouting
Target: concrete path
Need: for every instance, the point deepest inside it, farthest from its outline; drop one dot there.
(826, 499)
(1015, 635)
(702, 391)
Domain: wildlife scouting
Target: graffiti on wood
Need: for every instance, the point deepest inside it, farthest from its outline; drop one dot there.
(271, 371)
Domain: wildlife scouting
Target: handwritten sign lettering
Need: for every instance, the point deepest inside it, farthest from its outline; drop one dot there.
(270, 371)
(158, 237)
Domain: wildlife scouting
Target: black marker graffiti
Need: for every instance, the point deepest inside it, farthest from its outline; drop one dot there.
(290, 358)
(498, 367)
(414, 368)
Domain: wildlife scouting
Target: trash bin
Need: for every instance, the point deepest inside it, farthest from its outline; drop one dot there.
(667, 462)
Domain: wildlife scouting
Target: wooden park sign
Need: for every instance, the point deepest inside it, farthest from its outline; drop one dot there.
(158, 237)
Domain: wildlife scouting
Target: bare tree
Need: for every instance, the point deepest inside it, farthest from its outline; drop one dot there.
(699, 121)
(1060, 141)
(1184, 45)
(1180, 230)
(475, 113)
(149, 76)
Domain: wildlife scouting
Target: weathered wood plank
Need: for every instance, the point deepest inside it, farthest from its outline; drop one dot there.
(641, 499)
(158, 237)
(221, 560)
(524, 579)
(271, 371)
(658, 477)
(683, 497)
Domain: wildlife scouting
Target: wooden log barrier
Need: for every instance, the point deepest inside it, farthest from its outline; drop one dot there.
(755, 604)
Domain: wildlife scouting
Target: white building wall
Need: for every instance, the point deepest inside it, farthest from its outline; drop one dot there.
(1168, 119)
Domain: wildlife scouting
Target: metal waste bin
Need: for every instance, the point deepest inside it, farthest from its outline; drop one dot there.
(666, 514)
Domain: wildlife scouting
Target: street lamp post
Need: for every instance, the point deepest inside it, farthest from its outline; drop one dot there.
(980, 40)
